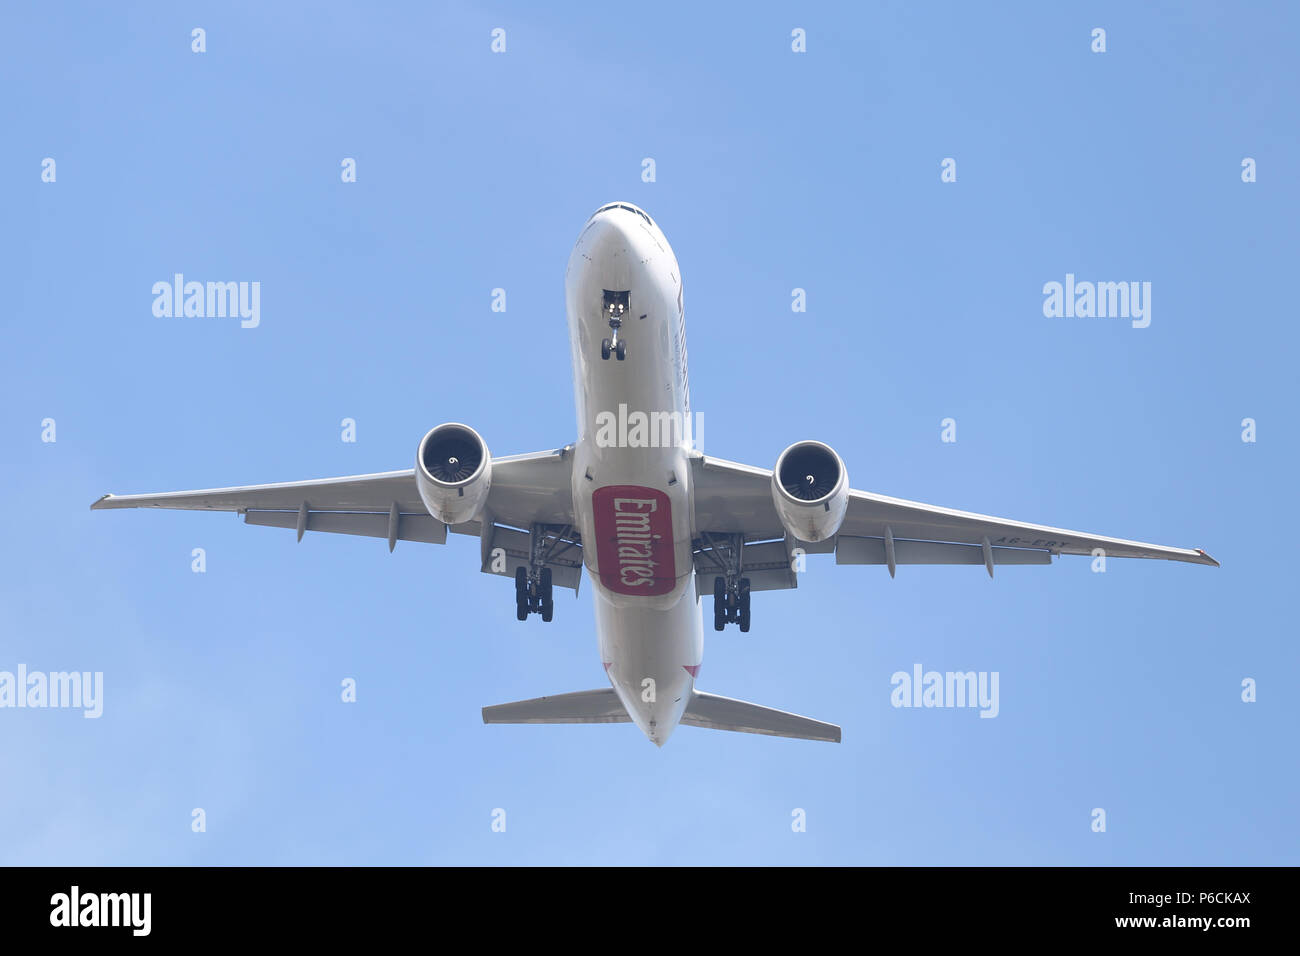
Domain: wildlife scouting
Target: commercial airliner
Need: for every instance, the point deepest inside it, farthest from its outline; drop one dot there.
(656, 524)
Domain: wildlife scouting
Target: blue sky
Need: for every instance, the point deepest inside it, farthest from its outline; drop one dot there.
(774, 170)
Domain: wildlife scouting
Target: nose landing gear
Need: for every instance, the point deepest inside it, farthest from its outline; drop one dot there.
(614, 307)
(607, 345)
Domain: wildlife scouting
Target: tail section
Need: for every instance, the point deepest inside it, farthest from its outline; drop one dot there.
(704, 710)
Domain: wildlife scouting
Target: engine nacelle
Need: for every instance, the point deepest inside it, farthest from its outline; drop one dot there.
(810, 487)
(453, 471)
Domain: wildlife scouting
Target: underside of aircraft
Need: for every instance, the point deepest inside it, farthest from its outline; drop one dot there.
(659, 528)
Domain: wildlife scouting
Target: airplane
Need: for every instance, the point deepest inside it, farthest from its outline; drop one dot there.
(656, 524)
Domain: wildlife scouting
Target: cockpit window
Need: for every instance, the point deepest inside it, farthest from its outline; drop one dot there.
(618, 205)
(635, 210)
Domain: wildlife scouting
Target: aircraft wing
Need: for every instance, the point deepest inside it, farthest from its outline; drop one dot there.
(526, 490)
(736, 499)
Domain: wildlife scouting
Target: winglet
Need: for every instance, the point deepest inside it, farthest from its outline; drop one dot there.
(1208, 559)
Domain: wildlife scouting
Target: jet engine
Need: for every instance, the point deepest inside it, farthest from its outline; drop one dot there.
(811, 490)
(453, 471)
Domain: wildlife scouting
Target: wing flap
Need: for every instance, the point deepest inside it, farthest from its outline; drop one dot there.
(850, 550)
(410, 527)
(870, 514)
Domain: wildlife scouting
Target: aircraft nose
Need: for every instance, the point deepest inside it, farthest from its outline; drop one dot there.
(608, 253)
(609, 236)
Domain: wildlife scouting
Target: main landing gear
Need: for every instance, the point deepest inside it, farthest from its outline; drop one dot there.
(614, 307)
(723, 556)
(731, 603)
(533, 594)
(548, 545)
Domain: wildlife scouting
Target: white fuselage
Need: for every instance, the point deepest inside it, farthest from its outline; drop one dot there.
(632, 491)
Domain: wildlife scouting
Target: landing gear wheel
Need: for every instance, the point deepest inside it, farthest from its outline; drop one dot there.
(604, 349)
(719, 604)
(621, 351)
(548, 604)
(521, 594)
(744, 605)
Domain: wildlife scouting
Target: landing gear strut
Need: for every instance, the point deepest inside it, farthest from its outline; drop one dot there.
(614, 307)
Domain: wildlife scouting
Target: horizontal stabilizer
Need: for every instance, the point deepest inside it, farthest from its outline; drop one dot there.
(725, 713)
(582, 707)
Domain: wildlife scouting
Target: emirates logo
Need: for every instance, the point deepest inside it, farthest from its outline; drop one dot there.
(634, 539)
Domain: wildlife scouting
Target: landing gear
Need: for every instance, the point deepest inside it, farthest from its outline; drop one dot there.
(533, 596)
(613, 308)
(731, 604)
(723, 555)
(549, 546)
(619, 348)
